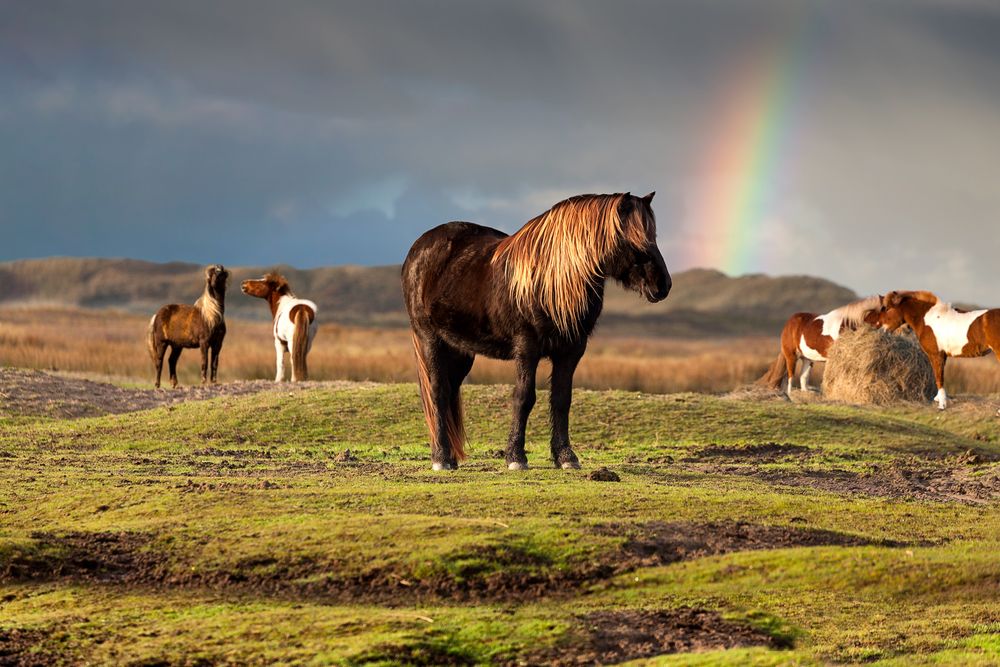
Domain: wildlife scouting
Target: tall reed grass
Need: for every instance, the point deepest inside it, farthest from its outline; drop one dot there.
(111, 343)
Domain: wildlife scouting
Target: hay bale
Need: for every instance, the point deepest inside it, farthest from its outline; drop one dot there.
(871, 366)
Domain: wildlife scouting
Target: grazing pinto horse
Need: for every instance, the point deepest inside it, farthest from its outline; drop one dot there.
(294, 322)
(943, 331)
(202, 325)
(537, 293)
(808, 336)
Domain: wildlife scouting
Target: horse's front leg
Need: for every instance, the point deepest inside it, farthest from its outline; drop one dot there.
(204, 362)
(563, 368)
(279, 353)
(524, 401)
(216, 349)
(937, 363)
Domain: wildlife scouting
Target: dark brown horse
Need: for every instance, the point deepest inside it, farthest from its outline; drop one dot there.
(534, 294)
(202, 325)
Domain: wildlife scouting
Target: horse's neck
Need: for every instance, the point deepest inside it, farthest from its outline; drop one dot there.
(275, 302)
(220, 299)
(914, 316)
(595, 304)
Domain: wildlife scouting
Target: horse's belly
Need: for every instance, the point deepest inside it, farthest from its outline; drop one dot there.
(808, 352)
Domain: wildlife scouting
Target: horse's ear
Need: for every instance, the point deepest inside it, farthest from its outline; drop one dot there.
(649, 198)
(894, 298)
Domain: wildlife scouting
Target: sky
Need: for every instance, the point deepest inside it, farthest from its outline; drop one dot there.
(857, 141)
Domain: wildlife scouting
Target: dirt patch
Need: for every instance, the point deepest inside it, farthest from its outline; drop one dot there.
(508, 572)
(36, 393)
(92, 557)
(770, 452)
(659, 543)
(966, 484)
(20, 647)
(604, 475)
(419, 653)
(611, 637)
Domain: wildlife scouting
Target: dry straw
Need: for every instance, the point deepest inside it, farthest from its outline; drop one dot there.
(871, 366)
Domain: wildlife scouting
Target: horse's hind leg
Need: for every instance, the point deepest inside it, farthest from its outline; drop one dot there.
(524, 401)
(563, 368)
(804, 375)
(159, 351)
(175, 354)
(442, 369)
(791, 359)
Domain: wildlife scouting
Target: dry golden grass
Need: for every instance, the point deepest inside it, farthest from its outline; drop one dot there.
(111, 343)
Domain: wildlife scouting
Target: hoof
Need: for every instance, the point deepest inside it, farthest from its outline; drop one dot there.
(516, 465)
(570, 465)
(441, 466)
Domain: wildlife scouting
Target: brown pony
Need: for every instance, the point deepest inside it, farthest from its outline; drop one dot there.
(808, 336)
(943, 331)
(294, 322)
(202, 325)
(534, 294)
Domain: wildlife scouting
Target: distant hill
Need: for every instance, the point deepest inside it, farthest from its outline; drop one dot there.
(702, 302)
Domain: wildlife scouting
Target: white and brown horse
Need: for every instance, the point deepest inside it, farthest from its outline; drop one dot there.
(943, 331)
(202, 325)
(808, 336)
(294, 322)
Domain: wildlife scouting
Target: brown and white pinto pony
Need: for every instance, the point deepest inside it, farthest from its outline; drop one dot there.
(294, 322)
(202, 325)
(943, 331)
(808, 336)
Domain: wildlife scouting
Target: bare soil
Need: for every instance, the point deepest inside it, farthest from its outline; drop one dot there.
(19, 648)
(499, 572)
(612, 637)
(37, 393)
(658, 543)
(966, 484)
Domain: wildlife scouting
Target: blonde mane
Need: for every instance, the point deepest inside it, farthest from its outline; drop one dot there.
(853, 314)
(209, 307)
(555, 259)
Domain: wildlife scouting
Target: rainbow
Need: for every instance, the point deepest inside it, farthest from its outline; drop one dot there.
(747, 155)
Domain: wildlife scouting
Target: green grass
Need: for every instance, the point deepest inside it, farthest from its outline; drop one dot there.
(254, 544)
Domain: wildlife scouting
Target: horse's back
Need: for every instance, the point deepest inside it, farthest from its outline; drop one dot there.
(449, 286)
(448, 252)
(178, 324)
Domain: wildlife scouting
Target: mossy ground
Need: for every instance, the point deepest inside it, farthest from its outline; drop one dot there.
(236, 530)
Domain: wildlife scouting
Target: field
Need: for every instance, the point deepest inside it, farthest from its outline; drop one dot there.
(303, 525)
(107, 343)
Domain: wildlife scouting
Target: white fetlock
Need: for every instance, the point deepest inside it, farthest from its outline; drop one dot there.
(942, 399)
(570, 465)
(515, 465)
(441, 466)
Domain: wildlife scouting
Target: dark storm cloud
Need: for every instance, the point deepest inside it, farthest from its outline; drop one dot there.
(316, 133)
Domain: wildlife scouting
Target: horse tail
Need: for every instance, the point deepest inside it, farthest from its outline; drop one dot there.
(151, 338)
(301, 318)
(775, 375)
(454, 420)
